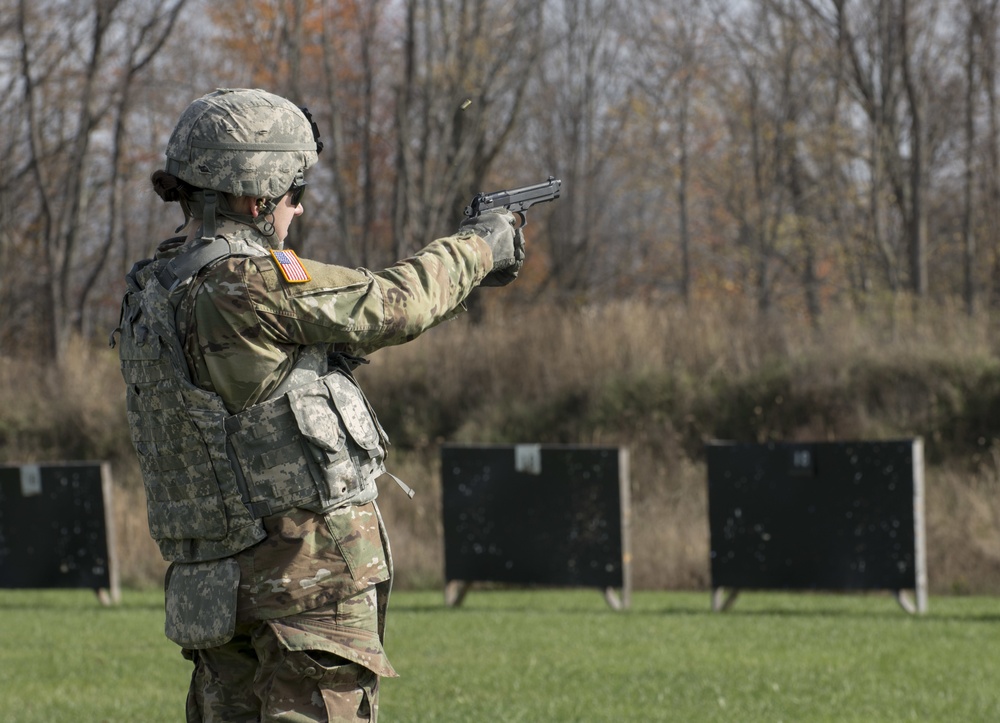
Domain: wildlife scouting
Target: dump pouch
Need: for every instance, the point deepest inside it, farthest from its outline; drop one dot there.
(201, 603)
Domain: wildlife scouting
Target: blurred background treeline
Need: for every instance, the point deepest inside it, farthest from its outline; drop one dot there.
(779, 220)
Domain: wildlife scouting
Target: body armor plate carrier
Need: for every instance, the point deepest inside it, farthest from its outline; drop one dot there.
(209, 475)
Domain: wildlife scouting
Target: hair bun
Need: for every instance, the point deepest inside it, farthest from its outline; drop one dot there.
(167, 186)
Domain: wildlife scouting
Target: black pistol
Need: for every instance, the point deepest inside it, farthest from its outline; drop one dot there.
(516, 200)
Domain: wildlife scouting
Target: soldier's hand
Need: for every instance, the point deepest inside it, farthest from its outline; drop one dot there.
(497, 228)
(503, 276)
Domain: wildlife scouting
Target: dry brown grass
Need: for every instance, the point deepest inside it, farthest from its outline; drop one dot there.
(651, 377)
(480, 372)
(139, 560)
(963, 530)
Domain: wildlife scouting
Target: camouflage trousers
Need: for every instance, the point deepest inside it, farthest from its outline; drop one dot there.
(314, 666)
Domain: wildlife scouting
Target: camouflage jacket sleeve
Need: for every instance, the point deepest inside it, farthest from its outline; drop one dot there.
(366, 310)
(248, 319)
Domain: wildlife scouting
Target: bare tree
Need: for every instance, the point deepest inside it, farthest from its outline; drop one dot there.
(149, 35)
(762, 109)
(358, 147)
(579, 121)
(788, 150)
(972, 65)
(990, 30)
(415, 101)
(913, 66)
(77, 63)
(671, 39)
(467, 68)
(902, 75)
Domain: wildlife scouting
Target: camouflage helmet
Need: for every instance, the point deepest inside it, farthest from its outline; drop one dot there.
(242, 141)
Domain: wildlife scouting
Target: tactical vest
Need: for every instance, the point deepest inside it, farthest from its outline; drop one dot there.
(210, 475)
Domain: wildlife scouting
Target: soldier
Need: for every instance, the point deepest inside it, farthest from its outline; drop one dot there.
(259, 452)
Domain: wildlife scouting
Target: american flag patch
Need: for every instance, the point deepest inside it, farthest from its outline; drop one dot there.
(291, 268)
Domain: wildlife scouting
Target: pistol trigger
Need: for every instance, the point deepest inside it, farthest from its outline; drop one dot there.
(523, 220)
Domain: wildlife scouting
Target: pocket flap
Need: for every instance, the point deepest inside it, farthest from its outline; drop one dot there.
(316, 416)
(353, 410)
(358, 646)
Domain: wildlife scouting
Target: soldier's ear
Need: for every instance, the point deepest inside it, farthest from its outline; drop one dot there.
(248, 205)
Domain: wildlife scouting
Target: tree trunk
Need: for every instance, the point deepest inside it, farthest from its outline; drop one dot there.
(968, 231)
(916, 222)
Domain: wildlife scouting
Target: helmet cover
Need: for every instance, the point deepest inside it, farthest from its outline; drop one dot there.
(246, 142)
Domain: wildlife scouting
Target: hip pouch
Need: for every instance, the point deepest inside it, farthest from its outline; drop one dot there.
(201, 603)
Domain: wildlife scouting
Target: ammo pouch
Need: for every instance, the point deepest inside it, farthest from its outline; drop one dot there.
(318, 447)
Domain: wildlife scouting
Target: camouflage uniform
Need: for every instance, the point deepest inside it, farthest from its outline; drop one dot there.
(280, 563)
(310, 607)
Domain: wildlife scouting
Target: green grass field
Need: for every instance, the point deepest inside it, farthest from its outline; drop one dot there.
(553, 656)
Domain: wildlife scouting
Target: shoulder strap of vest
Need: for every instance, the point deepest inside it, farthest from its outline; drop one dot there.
(181, 268)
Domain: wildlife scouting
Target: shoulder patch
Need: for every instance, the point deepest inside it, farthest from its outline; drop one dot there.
(291, 267)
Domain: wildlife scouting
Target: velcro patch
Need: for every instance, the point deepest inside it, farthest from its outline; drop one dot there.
(291, 267)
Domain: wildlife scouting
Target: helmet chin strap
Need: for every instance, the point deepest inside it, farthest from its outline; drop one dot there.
(215, 206)
(208, 221)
